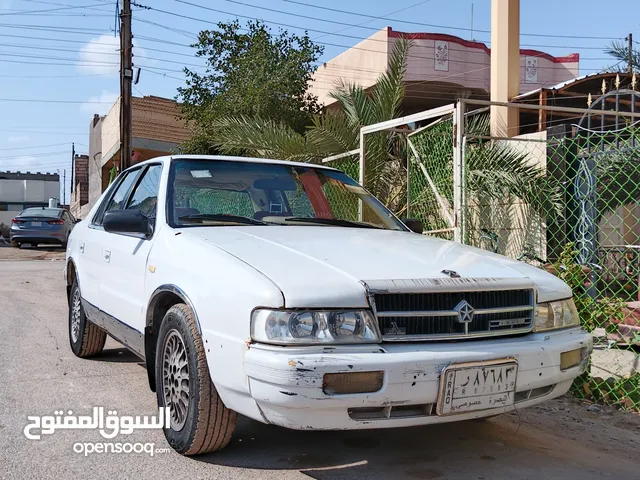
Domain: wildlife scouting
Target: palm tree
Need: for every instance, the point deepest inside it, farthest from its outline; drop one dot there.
(620, 52)
(335, 132)
(493, 169)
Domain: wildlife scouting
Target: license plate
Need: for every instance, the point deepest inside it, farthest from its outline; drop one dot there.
(467, 387)
(36, 224)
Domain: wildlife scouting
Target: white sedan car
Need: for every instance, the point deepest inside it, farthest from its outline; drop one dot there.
(285, 292)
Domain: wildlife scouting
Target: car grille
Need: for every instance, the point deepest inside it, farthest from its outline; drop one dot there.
(445, 315)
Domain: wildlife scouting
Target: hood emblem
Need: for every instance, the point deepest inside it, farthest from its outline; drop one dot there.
(465, 312)
(450, 273)
(395, 330)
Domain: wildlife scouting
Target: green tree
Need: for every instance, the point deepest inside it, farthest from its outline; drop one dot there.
(494, 169)
(249, 71)
(334, 132)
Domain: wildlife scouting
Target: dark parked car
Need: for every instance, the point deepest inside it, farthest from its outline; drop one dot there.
(37, 225)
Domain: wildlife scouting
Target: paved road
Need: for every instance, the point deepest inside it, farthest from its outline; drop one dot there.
(39, 374)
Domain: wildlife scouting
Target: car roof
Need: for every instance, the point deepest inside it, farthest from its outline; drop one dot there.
(224, 158)
(60, 210)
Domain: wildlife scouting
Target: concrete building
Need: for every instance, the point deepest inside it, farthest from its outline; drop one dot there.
(156, 131)
(19, 190)
(440, 69)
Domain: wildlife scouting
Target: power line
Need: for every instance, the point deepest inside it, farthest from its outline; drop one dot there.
(51, 101)
(36, 146)
(409, 22)
(29, 12)
(322, 43)
(48, 154)
(383, 16)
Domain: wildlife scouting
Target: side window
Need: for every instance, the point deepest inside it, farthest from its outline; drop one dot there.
(145, 195)
(114, 202)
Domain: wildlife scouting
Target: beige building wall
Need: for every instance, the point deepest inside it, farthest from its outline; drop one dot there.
(436, 59)
(514, 222)
(111, 130)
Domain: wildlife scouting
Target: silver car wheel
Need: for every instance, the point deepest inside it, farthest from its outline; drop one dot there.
(75, 316)
(175, 379)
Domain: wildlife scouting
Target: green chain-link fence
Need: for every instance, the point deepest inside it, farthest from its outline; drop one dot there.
(567, 199)
(431, 177)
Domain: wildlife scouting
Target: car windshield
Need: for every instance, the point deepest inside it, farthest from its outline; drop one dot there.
(40, 212)
(205, 192)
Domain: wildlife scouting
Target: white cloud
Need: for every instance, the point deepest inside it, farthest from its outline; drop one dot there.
(102, 55)
(106, 98)
(17, 139)
(23, 163)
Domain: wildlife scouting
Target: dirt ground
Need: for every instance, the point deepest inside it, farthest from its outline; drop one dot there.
(43, 252)
(562, 439)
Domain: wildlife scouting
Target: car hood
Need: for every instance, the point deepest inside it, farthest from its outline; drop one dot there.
(327, 266)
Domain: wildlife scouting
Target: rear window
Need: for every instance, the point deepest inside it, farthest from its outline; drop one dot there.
(41, 212)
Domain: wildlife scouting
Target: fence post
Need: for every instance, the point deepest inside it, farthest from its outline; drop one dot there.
(361, 173)
(458, 180)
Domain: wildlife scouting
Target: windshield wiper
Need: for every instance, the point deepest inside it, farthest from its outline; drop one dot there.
(331, 221)
(222, 217)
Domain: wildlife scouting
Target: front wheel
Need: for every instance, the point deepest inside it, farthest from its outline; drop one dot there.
(199, 421)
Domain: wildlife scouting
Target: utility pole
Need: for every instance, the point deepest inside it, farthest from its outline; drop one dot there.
(126, 75)
(630, 40)
(64, 186)
(73, 164)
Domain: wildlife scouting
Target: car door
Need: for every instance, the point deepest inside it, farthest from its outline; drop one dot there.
(94, 250)
(122, 285)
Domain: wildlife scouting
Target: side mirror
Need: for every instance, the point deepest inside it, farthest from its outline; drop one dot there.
(414, 225)
(126, 221)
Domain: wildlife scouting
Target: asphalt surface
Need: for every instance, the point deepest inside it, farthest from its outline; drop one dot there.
(39, 374)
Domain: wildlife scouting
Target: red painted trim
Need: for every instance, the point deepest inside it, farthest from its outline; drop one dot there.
(317, 198)
(573, 58)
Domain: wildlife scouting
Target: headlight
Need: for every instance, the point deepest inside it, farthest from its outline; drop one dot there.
(314, 326)
(553, 315)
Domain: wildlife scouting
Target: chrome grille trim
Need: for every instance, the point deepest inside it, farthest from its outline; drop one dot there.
(450, 313)
(431, 315)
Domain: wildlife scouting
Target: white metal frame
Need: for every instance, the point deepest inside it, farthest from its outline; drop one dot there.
(457, 110)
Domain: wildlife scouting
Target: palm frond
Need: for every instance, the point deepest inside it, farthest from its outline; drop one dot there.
(388, 92)
(620, 51)
(355, 103)
(261, 137)
(333, 133)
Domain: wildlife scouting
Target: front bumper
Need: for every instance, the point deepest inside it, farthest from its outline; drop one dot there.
(287, 382)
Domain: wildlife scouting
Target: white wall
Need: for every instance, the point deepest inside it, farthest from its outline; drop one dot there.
(6, 217)
(20, 191)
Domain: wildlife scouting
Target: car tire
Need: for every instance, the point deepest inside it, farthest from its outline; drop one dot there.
(200, 422)
(15, 244)
(86, 338)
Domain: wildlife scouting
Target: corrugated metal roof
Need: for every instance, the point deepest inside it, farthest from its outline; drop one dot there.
(563, 84)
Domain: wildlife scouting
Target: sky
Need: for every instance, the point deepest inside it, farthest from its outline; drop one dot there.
(59, 59)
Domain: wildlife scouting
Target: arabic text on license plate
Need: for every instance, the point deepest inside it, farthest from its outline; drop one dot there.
(36, 224)
(466, 387)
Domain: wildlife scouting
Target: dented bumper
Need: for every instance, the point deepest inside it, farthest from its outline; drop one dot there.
(287, 382)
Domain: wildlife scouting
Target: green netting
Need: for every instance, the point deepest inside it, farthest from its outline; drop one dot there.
(569, 202)
(434, 146)
(209, 201)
